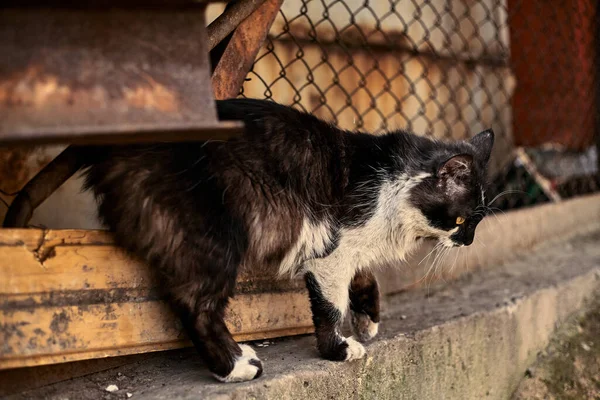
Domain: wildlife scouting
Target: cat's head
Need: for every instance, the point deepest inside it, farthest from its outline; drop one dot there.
(452, 195)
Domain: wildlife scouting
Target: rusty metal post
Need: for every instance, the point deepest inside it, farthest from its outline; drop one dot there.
(225, 23)
(238, 57)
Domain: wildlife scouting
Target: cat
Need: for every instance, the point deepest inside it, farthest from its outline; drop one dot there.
(295, 193)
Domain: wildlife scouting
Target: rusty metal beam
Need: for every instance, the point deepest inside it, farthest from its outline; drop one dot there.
(125, 134)
(238, 57)
(75, 73)
(105, 4)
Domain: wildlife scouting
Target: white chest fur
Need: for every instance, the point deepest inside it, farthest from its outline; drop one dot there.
(389, 235)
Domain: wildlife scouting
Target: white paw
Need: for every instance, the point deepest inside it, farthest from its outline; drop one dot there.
(247, 367)
(363, 328)
(373, 329)
(355, 350)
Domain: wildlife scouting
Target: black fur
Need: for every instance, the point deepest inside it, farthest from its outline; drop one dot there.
(364, 303)
(327, 321)
(198, 212)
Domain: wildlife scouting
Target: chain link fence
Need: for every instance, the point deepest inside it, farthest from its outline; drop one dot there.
(449, 69)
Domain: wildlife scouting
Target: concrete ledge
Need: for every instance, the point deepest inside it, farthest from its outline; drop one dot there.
(471, 339)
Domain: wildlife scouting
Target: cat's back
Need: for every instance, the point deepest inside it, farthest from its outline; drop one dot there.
(281, 132)
(283, 158)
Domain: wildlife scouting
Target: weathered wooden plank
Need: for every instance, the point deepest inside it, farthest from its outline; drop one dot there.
(72, 295)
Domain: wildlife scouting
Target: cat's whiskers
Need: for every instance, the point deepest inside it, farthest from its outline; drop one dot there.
(504, 193)
(481, 214)
(480, 242)
(496, 208)
(440, 264)
(459, 251)
(434, 263)
(465, 261)
(436, 247)
(428, 254)
(478, 257)
(494, 214)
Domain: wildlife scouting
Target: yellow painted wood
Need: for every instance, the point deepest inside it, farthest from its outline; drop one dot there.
(71, 295)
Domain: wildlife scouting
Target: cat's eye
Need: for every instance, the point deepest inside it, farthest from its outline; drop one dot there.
(460, 220)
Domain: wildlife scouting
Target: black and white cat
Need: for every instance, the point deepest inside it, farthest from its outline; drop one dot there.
(293, 192)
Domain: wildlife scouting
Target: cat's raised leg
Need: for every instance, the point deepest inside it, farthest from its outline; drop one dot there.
(202, 318)
(364, 305)
(329, 300)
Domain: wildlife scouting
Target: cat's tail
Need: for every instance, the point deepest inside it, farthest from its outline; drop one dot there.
(38, 189)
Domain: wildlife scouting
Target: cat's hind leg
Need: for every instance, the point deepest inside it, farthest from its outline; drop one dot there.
(364, 305)
(203, 320)
(200, 279)
(329, 300)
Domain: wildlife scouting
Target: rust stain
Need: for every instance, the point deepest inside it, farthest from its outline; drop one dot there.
(31, 88)
(155, 97)
(80, 298)
(39, 89)
(109, 313)
(7, 331)
(60, 322)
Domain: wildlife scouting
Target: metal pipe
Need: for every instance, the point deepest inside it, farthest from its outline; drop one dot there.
(225, 23)
(41, 187)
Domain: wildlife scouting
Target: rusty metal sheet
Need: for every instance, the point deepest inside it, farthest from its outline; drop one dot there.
(238, 57)
(105, 74)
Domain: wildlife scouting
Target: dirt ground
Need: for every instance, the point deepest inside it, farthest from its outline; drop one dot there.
(570, 366)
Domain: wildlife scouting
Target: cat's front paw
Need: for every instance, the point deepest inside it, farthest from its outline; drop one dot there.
(363, 327)
(343, 349)
(355, 350)
(246, 367)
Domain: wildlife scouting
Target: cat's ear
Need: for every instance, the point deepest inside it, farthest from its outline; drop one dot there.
(483, 143)
(453, 172)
